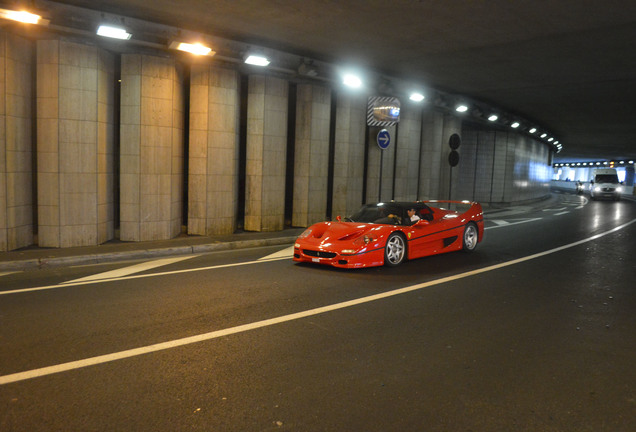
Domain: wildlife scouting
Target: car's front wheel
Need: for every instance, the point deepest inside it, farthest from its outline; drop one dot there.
(471, 237)
(395, 250)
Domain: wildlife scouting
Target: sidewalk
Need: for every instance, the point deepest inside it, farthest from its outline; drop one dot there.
(33, 257)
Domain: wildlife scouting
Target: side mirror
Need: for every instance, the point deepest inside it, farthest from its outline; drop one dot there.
(338, 218)
(422, 222)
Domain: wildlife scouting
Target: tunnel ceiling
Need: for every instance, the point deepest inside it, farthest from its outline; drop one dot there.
(569, 65)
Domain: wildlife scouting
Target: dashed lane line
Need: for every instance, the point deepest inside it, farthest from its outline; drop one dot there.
(93, 361)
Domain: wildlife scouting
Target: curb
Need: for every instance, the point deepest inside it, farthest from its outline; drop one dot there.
(110, 257)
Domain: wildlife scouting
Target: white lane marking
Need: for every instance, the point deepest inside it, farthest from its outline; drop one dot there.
(561, 213)
(92, 361)
(499, 222)
(559, 209)
(65, 285)
(285, 253)
(512, 223)
(126, 271)
(8, 273)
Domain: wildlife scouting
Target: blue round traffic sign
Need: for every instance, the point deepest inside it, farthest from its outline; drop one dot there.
(384, 139)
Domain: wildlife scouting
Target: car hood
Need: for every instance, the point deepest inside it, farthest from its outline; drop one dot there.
(339, 231)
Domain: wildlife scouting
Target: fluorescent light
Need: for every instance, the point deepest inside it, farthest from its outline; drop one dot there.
(21, 16)
(493, 117)
(351, 80)
(515, 125)
(461, 108)
(544, 135)
(113, 32)
(550, 139)
(257, 60)
(417, 97)
(533, 130)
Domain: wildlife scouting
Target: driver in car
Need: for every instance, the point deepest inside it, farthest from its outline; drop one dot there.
(413, 216)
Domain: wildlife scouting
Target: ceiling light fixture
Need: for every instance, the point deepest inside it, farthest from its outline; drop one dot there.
(493, 118)
(113, 32)
(257, 60)
(417, 97)
(515, 125)
(196, 48)
(461, 108)
(351, 80)
(20, 16)
(533, 130)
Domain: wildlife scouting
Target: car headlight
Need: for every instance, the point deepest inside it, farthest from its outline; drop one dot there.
(305, 233)
(619, 189)
(364, 240)
(597, 189)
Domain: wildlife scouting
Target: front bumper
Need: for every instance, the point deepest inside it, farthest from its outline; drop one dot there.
(336, 259)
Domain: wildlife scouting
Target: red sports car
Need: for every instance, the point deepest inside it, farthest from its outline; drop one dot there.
(389, 233)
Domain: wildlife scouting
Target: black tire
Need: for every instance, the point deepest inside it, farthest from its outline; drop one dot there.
(470, 237)
(395, 250)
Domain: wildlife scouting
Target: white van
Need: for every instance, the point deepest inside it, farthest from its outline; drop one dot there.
(604, 184)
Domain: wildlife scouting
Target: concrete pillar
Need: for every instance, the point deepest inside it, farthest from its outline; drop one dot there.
(75, 144)
(452, 125)
(266, 153)
(311, 155)
(16, 201)
(151, 148)
(629, 176)
(349, 154)
(500, 169)
(407, 158)
(213, 155)
(433, 155)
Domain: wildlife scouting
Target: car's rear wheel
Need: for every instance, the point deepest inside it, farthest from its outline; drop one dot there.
(395, 250)
(471, 237)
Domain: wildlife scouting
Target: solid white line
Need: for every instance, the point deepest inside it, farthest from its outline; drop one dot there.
(561, 213)
(126, 271)
(21, 376)
(8, 273)
(559, 209)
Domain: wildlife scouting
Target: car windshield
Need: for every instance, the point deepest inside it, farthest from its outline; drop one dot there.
(377, 213)
(606, 178)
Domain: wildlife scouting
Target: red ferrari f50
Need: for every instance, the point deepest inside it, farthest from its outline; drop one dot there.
(392, 232)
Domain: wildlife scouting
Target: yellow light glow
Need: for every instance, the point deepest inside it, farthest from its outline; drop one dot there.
(196, 48)
(21, 16)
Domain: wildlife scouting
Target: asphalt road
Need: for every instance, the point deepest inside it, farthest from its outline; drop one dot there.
(534, 331)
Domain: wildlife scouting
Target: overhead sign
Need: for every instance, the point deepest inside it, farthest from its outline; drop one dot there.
(384, 139)
(383, 111)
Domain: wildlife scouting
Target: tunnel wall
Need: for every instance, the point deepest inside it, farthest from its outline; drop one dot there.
(138, 160)
(16, 142)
